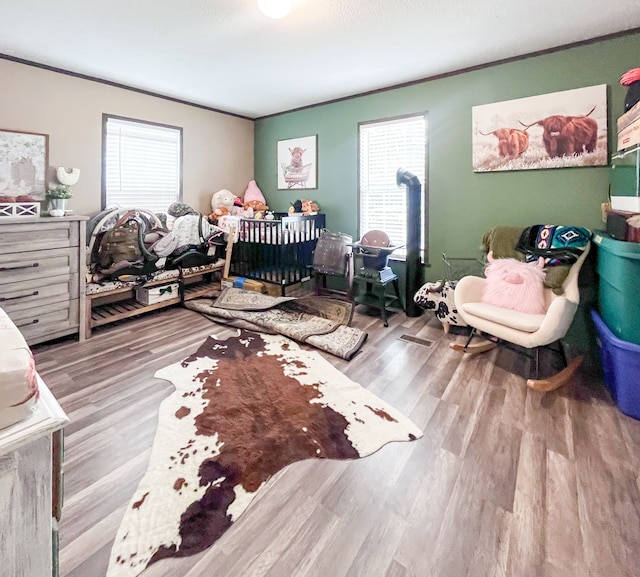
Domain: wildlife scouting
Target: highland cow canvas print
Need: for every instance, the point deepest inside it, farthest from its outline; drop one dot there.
(297, 163)
(556, 130)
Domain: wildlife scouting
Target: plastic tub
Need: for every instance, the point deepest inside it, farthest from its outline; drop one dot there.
(619, 271)
(621, 368)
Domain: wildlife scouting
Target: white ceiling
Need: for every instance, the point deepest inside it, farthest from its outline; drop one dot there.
(227, 55)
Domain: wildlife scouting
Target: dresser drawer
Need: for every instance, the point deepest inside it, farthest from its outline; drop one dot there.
(39, 235)
(37, 292)
(41, 285)
(26, 266)
(45, 320)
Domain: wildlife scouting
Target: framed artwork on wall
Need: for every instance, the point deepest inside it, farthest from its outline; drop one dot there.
(24, 158)
(297, 160)
(555, 130)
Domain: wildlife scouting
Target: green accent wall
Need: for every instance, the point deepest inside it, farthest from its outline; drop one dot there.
(462, 204)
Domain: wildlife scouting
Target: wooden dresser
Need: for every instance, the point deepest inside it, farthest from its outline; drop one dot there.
(42, 275)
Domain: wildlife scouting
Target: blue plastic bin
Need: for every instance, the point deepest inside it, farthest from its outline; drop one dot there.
(619, 271)
(621, 368)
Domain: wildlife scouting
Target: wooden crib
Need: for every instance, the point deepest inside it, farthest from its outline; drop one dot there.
(278, 251)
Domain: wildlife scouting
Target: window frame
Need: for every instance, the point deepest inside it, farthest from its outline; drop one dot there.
(105, 118)
(424, 203)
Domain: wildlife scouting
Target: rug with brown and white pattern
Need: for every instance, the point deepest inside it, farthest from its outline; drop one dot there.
(243, 408)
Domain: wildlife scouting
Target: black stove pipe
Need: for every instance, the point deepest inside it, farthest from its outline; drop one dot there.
(413, 274)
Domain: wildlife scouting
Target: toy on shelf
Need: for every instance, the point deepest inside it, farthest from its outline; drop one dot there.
(253, 192)
(309, 207)
(296, 207)
(306, 207)
(257, 208)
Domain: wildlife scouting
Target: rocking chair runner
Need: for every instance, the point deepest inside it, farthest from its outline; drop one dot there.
(504, 326)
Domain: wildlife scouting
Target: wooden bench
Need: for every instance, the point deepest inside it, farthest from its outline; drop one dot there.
(116, 301)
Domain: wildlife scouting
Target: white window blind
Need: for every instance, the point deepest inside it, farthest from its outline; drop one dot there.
(386, 146)
(142, 164)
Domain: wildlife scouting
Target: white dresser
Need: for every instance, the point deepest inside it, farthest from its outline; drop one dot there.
(31, 490)
(42, 275)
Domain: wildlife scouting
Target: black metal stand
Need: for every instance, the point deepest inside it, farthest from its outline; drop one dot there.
(375, 291)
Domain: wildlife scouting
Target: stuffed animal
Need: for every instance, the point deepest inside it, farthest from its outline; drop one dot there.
(217, 213)
(295, 207)
(223, 198)
(515, 285)
(256, 205)
(243, 212)
(254, 209)
(308, 206)
(253, 193)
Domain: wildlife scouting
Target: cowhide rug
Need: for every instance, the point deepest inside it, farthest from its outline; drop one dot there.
(244, 408)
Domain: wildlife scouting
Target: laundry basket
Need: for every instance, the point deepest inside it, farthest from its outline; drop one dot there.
(456, 268)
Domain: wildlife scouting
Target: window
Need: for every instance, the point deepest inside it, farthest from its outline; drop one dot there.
(386, 146)
(142, 164)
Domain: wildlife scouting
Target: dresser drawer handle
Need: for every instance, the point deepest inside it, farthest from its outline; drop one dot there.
(32, 265)
(33, 294)
(33, 322)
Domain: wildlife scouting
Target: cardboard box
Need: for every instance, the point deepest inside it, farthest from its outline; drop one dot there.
(629, 128)
(629, 135)
(273, 290)
(249, 285)
(157, 294)
(242, 283)
(227, 282)
(626, 203)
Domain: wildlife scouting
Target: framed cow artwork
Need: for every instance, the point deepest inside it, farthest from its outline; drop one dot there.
(555, 130)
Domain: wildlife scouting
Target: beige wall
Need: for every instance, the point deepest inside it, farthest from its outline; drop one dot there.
(218, 148)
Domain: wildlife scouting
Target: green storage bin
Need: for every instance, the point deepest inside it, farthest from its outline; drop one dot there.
(619, 294)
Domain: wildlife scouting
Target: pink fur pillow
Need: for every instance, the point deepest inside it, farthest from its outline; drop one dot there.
(515, 285)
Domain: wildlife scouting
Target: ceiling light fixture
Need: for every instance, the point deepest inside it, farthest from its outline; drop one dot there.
(275, 8)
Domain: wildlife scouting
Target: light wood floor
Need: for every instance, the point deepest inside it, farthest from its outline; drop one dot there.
(505, 482)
